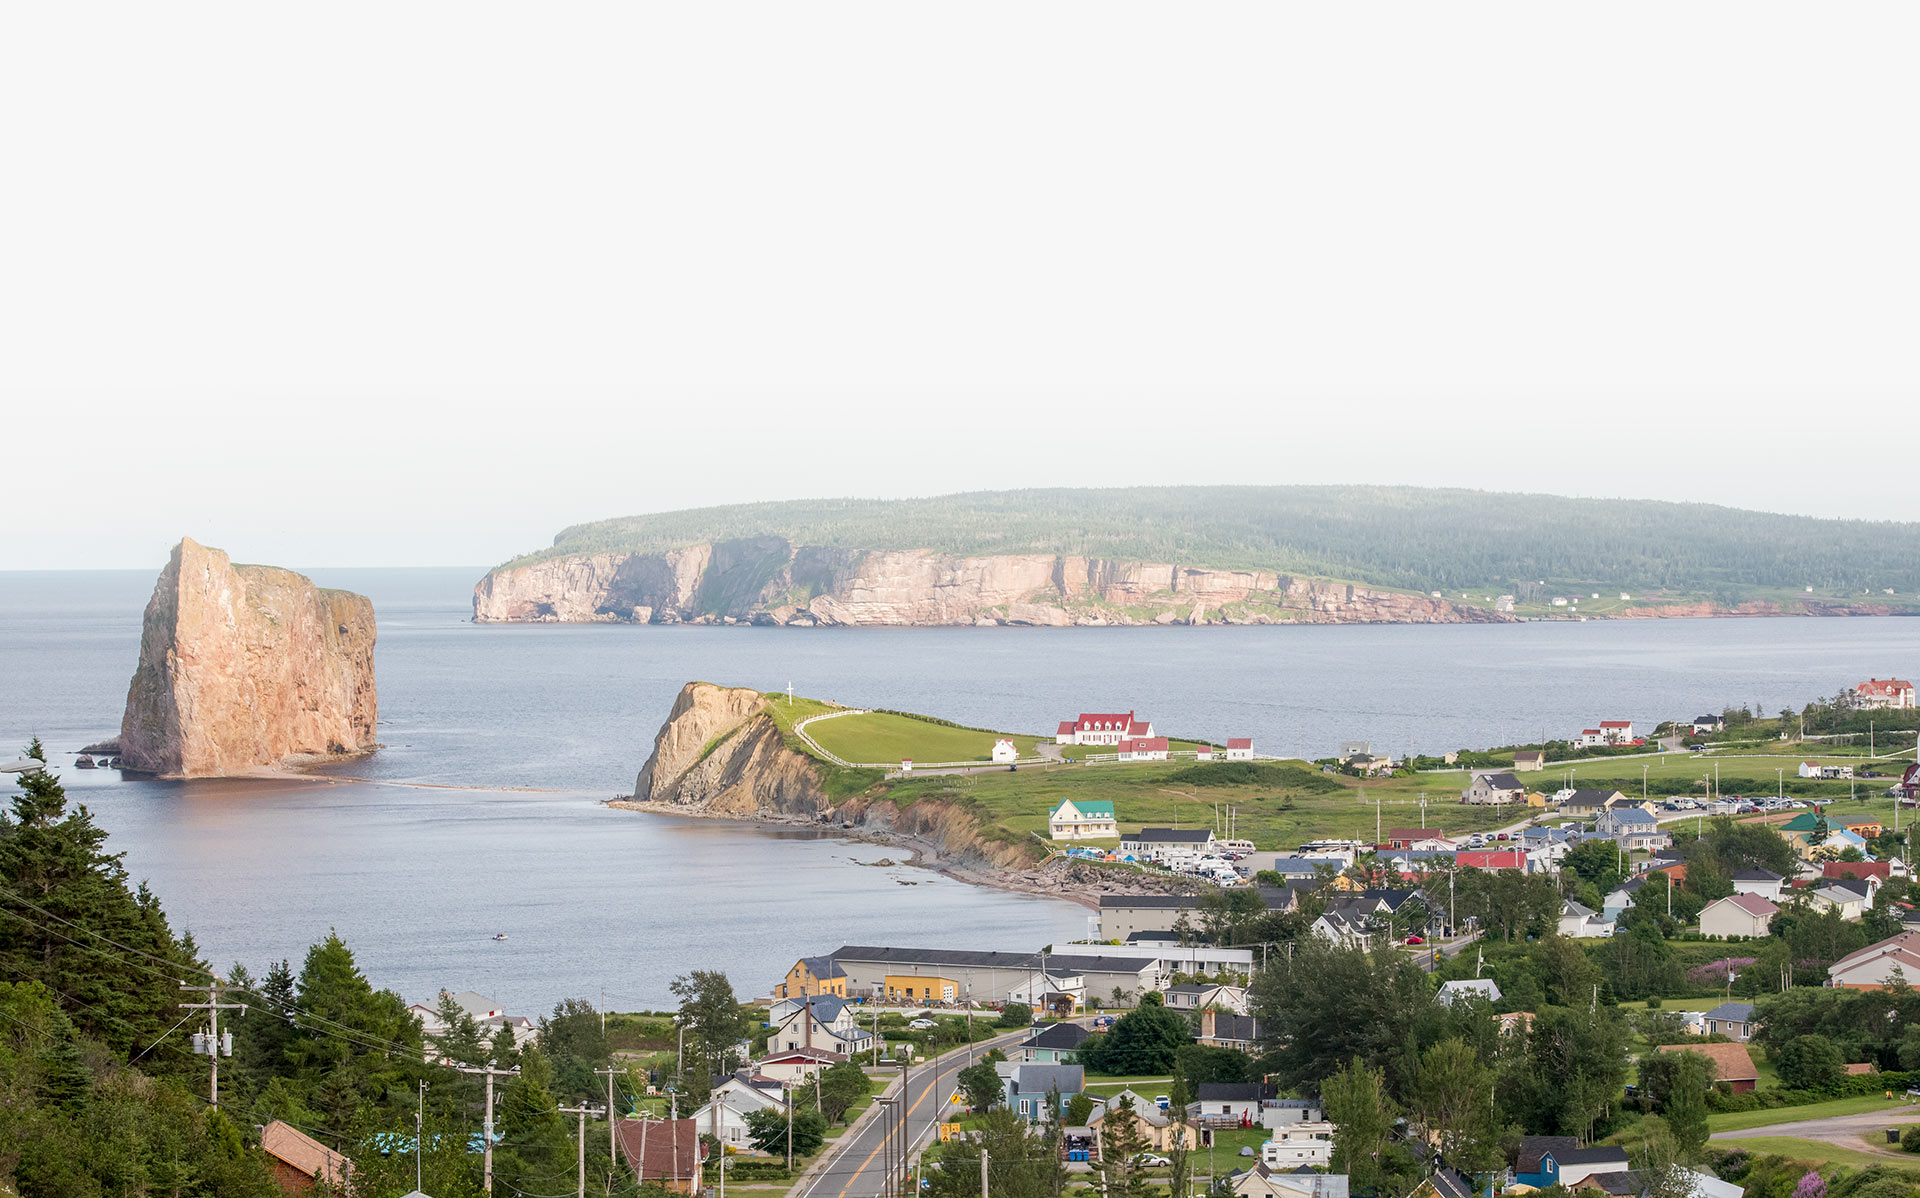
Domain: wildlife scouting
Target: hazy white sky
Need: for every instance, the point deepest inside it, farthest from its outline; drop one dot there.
(412, 283)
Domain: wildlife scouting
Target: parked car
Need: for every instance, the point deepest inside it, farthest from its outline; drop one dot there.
(921, 1025)
(1416, 940)
(1150, 1161)
(1103, 1021)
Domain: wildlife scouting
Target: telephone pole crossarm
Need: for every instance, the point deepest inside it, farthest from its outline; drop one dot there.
(215, 1046)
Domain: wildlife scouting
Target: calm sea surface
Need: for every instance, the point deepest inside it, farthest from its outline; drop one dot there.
(517, 733)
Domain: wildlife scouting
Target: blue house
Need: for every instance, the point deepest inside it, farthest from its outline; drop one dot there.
(1559, 1160)
(1029, 1089)
(1053, 1044)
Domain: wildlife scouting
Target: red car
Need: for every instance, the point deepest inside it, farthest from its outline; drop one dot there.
(1416, 940)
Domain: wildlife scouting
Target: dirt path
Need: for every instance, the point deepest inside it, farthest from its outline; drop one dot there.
(1845, 1131)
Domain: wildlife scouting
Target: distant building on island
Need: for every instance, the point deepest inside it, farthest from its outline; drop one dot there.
(1103, 728)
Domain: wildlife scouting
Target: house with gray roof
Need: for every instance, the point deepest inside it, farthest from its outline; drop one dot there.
(1028, 1089)
(1632, 829)
(1053, 1044)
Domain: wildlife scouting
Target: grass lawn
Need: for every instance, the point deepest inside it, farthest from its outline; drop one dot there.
(1739, 1120)
(1814, 1152)
(1148, 1087)
(886, 739)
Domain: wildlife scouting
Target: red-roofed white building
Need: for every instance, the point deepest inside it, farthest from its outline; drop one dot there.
(1493, 860)
(1592, 738)
(1894, 693)
(1239, 748)
(1617, 732)
(1103, 728)
(1146, 748)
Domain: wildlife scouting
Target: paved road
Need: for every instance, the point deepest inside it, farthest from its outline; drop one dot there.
(854, 1167)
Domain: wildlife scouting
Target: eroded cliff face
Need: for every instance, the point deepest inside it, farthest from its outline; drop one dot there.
(244, 667)
(766, 580)
(721, 754)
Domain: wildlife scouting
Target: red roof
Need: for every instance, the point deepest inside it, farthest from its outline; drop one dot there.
(1239, 742)
(1492, 859)
(1096, 721)
(1753, 904)
(1589, 731)
(1858, 869)
(672, 1148)
(1065, 729)
(1616, 723)
(1884, 686)
(1144, 745)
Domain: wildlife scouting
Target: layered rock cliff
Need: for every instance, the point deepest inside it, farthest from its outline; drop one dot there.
(768, 580)
(720, 753)
(244, 667)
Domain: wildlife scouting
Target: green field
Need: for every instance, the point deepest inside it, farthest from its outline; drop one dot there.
(1740, 1120)
(886, 737)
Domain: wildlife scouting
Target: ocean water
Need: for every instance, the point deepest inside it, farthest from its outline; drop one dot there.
(482, 812)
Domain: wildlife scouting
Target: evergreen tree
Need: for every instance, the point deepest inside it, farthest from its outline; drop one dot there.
(69, 921)
(535, 1143)
(1121, 1143)
(352, 1048)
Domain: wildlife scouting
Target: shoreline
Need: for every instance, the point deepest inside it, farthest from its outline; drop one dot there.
(924, 853)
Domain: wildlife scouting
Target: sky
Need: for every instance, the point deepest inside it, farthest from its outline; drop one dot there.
(379, 284)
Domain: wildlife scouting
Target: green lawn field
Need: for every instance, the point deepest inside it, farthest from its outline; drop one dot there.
(1815, 1152)
(884, 738)
(1740, 1120)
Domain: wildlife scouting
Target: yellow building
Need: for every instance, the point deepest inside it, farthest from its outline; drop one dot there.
(1536, 799)
(904, 987)
(813, 975)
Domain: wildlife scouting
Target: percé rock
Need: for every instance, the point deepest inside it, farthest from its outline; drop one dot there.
(244, 667)
(768, 580)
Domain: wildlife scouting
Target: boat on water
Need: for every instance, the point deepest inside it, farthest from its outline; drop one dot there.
(499, 935)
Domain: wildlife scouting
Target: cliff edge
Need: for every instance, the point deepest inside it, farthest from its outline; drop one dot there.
(721, 753)
(244, 667)
(769, 580)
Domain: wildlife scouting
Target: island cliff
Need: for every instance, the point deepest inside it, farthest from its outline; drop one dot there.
(244, 667)
(769, 580)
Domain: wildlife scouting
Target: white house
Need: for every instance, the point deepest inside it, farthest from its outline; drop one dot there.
(1004, 752)
(1706, 724)
(796, 1068)
(1470, 989)
(1849, 904)
(1103, 728)
(487, 1015)
(1163, 842)
(1737, 915)
(1494, 790)
(1239, 748)
(1876, 965)
(1194, 996)
(1085, 820)
(820, 1021)
(1145, 748)
(1579, 922)
(1298, 1144)
(1591, 738)
(1281, 1112)
(1761, 882)
(724, 1117)
(1884, 693)
(1617, 732)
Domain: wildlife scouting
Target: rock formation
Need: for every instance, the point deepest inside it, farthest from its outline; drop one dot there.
(767, 580)
(244, 667)
(721, 753)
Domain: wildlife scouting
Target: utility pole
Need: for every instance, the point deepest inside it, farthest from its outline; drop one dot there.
(613, 1148)
(486, 1122)
(419, 1131)
(983, 1173)
(582, 1112)
(210, 1042)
